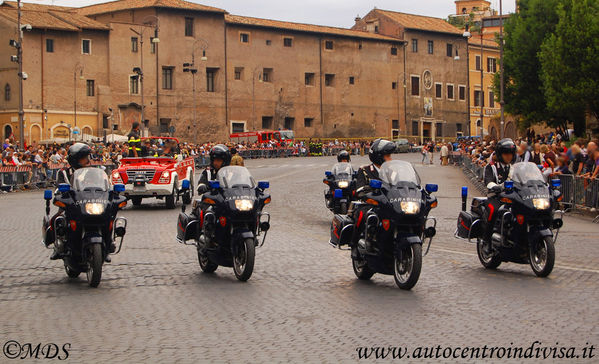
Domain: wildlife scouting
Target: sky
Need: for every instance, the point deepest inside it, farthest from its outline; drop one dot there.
(338, 13)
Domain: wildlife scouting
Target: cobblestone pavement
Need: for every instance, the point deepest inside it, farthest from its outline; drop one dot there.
(303, 303)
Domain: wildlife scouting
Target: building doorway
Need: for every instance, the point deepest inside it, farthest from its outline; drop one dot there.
(427, 127)
(7, 132)
(36, 134)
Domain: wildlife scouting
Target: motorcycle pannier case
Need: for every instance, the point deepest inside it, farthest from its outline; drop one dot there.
(185, 230)
(341, 230)
(467, 228)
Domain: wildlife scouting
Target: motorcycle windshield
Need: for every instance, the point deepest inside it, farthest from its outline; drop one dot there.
(524, 173)
(342, 170)
(90, 179)
(235, 176)
(395, 172)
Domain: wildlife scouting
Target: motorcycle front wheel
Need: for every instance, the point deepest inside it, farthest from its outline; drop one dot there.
(542, 256)
(243, 261)
(94, 265)
(407, 267)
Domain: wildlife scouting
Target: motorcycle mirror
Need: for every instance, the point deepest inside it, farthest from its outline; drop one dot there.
(185, 184)
(47, 195)
(555, 183)
(376, 184)
(328, 173)
(338, 193)
(263, 185)
(214, 185)
(64, 187)
(430, 188)
(119, 187)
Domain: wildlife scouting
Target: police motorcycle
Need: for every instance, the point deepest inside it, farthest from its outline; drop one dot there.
(527, 223)
(341, 189)
(225, 225)
(89, 228)
(397, 224)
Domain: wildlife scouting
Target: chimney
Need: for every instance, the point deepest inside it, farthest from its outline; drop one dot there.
(357, 19)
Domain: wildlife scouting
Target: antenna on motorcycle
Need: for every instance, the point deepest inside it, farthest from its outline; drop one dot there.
(464, 197)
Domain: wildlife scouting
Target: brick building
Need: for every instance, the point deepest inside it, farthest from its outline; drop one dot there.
(240, 74)
(435, 78)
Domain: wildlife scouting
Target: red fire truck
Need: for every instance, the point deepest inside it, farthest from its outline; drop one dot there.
(282, 138)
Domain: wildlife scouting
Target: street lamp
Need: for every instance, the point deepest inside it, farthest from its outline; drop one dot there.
(468, 35)
(139, 70)
(501, 77)
(257, 69)
(18, 45)
(189, 68)
(78, 69)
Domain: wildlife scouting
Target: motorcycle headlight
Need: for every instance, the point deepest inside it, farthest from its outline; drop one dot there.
(94, 208)
(244, 205)
(540, 203)
(343, 184)
(410, 207)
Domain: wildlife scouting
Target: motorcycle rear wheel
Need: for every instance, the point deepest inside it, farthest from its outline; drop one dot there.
(542, 256)
(243, 262)
(489, 262)
(361, 269)
(206, 265)
(407, 270)
(94, 265)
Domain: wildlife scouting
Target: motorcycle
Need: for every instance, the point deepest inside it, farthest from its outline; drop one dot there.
(526, 226)
(341, 187)
(88, 228)
(395, 224)
(226, 223)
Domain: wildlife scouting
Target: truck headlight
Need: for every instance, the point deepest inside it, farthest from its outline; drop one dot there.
(410, 207)
(165, 174)
(343, 184)
(94, 208)
(244, 205)
(540, 203)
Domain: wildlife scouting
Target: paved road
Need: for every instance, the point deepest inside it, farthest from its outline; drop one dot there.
(303, 303)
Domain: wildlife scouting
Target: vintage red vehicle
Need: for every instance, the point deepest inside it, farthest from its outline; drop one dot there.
(282, 138)
(157, 176)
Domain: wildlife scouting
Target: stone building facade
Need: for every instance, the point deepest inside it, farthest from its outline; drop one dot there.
(207, 73)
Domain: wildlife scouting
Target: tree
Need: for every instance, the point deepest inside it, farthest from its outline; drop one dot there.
(524, 34)
(570, 62)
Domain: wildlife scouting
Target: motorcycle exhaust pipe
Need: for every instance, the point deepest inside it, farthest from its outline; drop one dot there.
(464, 197)
(372, 223)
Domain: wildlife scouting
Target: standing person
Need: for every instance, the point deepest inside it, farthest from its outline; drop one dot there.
(431, 150)
(134, 141)
(424, 153)
(536, 156)
(236, 159)
(444, 155)
(577, 160)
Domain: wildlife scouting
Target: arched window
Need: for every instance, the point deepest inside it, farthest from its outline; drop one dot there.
(7, 92)
(464, 11)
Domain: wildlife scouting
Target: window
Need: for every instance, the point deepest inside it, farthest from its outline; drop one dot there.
(267, 75)
(438, 90)
(394, 124)
(268, 42)
(237, 127)
(287, 42)
(104, 121)
(329, 80)
(415, 86)
(479, 98)
(308, 122)
(309, 79)
(449, 50)
(394, 51)
(90, 87)
(491, 99)
(491, 65)
(478, 63)
(7, 92)
(167, 78)
(189, 27)
(244, 37)
(458, 127)
(439, 129)
(152, 46)
(134, 44)
(394, 85)
(352, 80)
(328, 44)
(50, 45)
(462, 93)
(210, 76)
(238, 73)
(86, 46)
(376, 29)
(450, 95)
(267, 122)
(415, 45)
(431, 47)
(415, 128)
(134, 85)
(289, 123)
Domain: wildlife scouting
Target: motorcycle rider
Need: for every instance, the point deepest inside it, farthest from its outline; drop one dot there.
(379, 153)
(220, 156)
(343, 157)
(496, 173)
